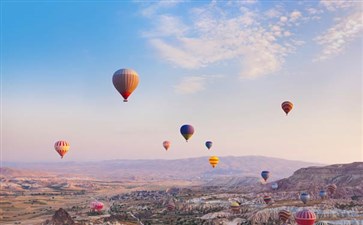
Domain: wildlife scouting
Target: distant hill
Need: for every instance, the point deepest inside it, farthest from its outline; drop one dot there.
(347, 177)
(191, 168)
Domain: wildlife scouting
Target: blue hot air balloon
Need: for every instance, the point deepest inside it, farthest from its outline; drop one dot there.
(304, 197)
(208, 144)
(274, 186)
(322, 194)
(265, 174)
(187, 131)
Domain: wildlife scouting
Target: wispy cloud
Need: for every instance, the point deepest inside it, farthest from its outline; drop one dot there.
(194, 84)
(336, 38)
(333, 5)
(214, 36)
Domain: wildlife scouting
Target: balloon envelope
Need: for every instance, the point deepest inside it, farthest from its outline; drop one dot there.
(166, 145)
(187, 131)
(305, 217)
(96, 206)
(125, 82)
(265, 174)
(208, 144)
(287, 106)
(304, 197)
(62, 147)
(322, 194)
(274, 186)
(213, 160)
(267, 199)
(332, 188)
(284, 215)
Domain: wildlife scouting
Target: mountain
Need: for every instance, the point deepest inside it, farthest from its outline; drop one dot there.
(347, 177)
(178, 169)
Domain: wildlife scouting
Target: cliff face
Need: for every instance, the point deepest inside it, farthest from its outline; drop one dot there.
(347, 177)
(60, 217)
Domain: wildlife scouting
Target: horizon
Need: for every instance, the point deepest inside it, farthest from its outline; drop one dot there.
(223, 67)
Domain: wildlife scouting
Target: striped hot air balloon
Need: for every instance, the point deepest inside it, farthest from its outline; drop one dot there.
(235, 207)
(62, 147)
(214, 160)
(305, 217)
(321, 223)
(125, 82)
(331, 188)
(96, 206)
(187, 131)
(267, 199)
(166, 145)
(171, 206)
(208, 144)
(287, 107)
(304, 197)
(284, 215)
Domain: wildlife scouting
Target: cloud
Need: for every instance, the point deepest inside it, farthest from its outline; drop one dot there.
(333, 5)
(191, 85)
(152, 8)
(295, 15)
(336, 38)
(210, 36)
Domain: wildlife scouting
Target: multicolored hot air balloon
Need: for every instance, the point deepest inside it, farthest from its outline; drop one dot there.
(287, 107)
(322, 194)
(213, 160)
(187, 131)
(305, 217)
(304, 197)
(284, 215)
(265, 174)
(235, 207)
(208, 144)
(331, 188)
(125, 82)
(62, 147)
(274, 186)
(96, 206)
(166, 145)
(267, 199)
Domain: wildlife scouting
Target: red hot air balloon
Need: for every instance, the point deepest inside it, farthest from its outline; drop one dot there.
(287, 107)
(305, 217)
(331, 188)
(284, 215)
(62, 147)
(267, 199)
(96, 206)
(125, 82)
(166, 145)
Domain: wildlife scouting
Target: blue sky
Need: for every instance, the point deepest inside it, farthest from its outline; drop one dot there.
(224, 67)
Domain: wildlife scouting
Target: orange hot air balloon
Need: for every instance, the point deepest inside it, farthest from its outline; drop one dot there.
(284, 215)
(166, 145)
(331, 188)
(62, 147)
(125, 81)
(214, 160)
(287, 107)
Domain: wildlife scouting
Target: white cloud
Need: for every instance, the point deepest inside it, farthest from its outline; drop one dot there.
(191, 85)
(212, 36)
(152, 8)
(295, 15)
(336, 38)
(333, 5)
(283, 19)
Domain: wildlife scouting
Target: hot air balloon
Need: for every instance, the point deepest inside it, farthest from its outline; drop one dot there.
(274, 186)
(171, 206)
(187, 131)
(304, 197)
(322, 194)
(267, 199)
(213, 160)
(208, 144)
(166, 145)
(125, 82)
(321, 223)
(331, 188)
(305, 217)
(235, 207)
(284, 215)
(287, 107)
(265, 174)
(96, 206)
(61, 147)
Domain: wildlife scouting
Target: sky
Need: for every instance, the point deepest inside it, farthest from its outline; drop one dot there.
(224, 67)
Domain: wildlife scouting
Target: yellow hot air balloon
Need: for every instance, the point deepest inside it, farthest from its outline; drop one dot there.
(213, 160)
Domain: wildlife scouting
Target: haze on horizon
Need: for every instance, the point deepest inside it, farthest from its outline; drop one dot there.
(224, 67)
